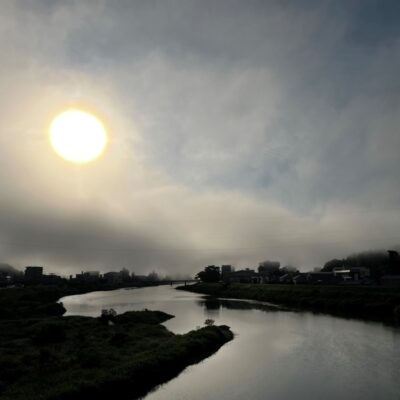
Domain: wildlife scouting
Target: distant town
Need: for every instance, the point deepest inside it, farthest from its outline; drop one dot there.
(368, 268)
(372, 269)
(35, 275)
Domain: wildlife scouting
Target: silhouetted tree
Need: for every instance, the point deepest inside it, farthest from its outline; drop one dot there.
(153, 277)
(288, 269)
(210, 274)
(331, 264)
(108, 316)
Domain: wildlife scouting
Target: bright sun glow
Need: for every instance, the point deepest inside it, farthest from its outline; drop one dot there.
(77, 136)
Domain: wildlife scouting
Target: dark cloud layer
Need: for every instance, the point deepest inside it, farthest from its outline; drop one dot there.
(239, 131)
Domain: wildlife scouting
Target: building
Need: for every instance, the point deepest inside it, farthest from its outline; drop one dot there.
(5, 279)
(286, 278)
(90, 276)
(317, 278)
(33, 274)
(352, 274)
(342, 274)
(300, 279)
(269, 270)
(323, 278)
(51, 279)
(245, 276)
(226, 270)
(113, 278)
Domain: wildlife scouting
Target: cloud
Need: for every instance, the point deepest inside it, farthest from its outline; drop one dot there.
(239, 132)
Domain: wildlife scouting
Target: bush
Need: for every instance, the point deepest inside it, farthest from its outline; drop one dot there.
(108, 316)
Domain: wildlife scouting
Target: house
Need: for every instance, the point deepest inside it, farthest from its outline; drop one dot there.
(342, 274)
(323, 278)
(300, 279)
(245, 276)
(360, 273)
(286, 278)
(5, 279)
(352, 274)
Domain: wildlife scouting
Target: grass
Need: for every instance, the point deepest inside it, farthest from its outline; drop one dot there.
(53, 357)
(364, 302)
(32, 301)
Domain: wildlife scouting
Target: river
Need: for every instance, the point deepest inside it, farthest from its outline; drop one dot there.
(276, 354)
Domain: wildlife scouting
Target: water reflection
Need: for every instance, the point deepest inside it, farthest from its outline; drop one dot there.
(213, 304)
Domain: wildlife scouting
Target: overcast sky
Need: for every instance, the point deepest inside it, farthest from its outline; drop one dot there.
(239, 131)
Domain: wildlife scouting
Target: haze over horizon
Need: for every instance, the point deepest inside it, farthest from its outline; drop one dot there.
(239, 131)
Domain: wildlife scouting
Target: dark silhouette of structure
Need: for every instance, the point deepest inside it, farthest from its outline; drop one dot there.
(269, 270)
(33, 274)
(226, 270)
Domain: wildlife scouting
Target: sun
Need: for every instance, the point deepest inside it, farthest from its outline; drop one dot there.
(78, 136)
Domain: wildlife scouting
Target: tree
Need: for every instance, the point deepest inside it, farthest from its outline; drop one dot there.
(330, 265)
(288, 269)
(108, 316)
(210, 274)
(153, 277)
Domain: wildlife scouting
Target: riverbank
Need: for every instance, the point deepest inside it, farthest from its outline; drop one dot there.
(382, 304)
(38, 301)
(48, 357)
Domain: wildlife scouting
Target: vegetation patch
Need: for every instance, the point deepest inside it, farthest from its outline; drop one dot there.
(75, 357)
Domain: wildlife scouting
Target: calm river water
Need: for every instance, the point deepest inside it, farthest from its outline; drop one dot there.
(276, 354)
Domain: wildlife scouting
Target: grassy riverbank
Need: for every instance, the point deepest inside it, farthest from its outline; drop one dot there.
(53, 357)
(39, 301)
(33, 301)
(364, 302)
